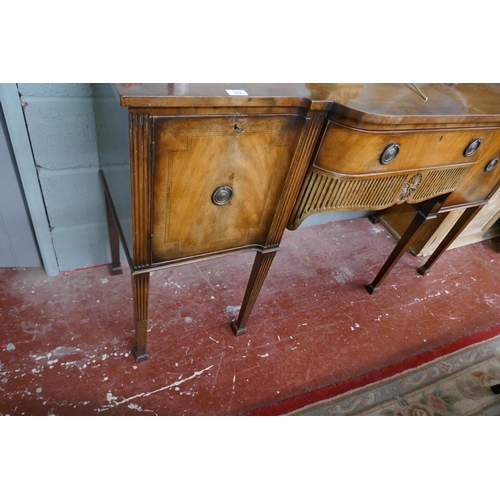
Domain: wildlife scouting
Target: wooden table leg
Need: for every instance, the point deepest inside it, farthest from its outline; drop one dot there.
(453, 233)
(113, 230)
(140, 285)
(259, 272)
(427, 210)
(114, 240)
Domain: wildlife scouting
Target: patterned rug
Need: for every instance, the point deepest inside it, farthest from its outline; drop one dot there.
(455, 384)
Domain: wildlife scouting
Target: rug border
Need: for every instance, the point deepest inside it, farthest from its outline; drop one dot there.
(404, 375)
(296, 402)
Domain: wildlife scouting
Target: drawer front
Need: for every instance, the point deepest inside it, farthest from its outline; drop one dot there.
(350, 171)
(482, 179)
(349, 151)
(217, 181)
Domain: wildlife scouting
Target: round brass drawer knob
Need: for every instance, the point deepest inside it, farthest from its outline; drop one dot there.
(389, 153)
(472, 147)
(222, 195)
(491, 165)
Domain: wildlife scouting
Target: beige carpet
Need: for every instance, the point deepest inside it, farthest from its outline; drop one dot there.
(452, 385)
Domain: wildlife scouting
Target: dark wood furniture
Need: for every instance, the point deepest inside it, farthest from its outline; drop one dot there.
(221, 168)
(387, 148)
(213, 171)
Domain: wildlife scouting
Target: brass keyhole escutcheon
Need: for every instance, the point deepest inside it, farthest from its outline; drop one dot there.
(222, 195)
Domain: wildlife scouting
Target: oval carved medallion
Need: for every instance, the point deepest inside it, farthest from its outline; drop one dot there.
(409, 187)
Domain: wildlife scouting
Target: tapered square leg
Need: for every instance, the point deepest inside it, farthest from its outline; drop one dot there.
(113, 234)
(426, 211)
(259, 272)
(452, 235)
(140, 284)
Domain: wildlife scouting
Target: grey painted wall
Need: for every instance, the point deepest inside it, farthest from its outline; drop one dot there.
(62, 128)
(74, 129)
(18, 247)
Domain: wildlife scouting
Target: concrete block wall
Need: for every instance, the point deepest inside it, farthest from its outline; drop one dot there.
(111, 121)
(62, 128)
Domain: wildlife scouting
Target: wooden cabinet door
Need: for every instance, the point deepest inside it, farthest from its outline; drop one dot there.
(217, 181)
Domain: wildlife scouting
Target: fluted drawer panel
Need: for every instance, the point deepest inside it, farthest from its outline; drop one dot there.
(325, 191)
(439, 182)
(372, 193)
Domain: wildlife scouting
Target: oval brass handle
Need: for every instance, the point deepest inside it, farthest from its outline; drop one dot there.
(389, 153)
(491, 165)
(472, 147)
(222, 195)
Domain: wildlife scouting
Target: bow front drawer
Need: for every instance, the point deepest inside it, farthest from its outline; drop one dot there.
(351, 151)
(358, 169)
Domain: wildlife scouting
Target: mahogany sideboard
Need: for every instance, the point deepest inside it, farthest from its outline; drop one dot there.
(222, 168)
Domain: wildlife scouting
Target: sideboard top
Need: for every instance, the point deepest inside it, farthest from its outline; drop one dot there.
(375, 103)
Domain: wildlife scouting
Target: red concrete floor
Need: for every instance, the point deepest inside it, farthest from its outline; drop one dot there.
(66, 341)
